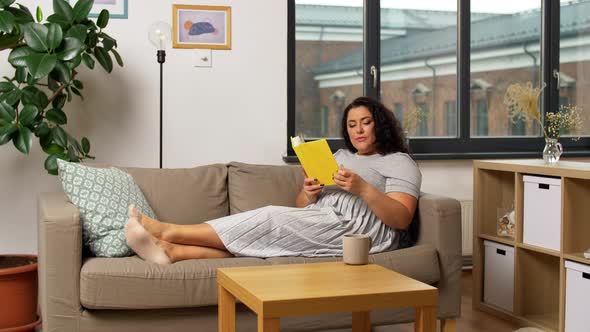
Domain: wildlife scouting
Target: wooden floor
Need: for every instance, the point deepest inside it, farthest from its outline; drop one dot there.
(470, 320)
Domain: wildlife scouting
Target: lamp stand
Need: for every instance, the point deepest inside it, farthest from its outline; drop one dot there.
(161, 59)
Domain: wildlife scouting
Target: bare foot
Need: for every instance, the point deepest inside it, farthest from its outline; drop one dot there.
(144, 244)
(154, 227)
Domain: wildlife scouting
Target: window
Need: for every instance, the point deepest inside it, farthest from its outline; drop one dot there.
(455, 59)
(398, 111)
(481, 117)
(422, 128)
(451, 118)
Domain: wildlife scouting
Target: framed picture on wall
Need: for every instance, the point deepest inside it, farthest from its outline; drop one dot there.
(116, 8)
(196, 26)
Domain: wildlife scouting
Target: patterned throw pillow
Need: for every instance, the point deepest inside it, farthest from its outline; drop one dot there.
(102, 195)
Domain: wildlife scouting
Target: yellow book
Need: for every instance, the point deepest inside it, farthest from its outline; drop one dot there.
(316, 159)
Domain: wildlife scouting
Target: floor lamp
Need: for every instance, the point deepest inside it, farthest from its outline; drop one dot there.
(160, 34)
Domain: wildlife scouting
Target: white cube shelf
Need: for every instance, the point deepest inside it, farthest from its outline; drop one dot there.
(542, 212)
(498, 275)
(577, 295)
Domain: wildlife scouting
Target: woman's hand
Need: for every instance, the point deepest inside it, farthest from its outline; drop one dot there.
(350, 181)
(312, 189)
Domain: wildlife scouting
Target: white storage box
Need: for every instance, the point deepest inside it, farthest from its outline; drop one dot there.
(498, 281)
(577, 294)
(542, 212)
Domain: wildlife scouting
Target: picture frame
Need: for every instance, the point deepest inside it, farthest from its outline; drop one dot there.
(200, 26)
(116, 8)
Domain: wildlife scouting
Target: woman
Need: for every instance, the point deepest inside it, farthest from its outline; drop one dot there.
(376, 193)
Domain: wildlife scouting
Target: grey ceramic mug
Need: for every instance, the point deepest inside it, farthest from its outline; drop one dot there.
(356, 249)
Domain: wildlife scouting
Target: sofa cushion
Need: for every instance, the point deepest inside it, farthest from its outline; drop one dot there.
(184, 195)
(102, 195)
(253, 186)
(132, 283)
(419, 262)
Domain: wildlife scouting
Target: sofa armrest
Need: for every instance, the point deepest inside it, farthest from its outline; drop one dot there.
(440, 226)
(60, 260)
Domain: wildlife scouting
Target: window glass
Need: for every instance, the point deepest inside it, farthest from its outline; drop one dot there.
(505, 49)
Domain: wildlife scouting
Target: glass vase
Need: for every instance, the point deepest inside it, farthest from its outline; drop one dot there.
(552, 151)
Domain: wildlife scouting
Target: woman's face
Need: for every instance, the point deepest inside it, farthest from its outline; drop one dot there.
(361, 130)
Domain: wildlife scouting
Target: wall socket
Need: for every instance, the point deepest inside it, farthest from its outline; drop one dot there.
(202, 58)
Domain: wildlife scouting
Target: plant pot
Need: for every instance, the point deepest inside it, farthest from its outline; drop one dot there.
(18, 286)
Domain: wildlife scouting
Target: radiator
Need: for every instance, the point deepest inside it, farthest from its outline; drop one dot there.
(467, 227)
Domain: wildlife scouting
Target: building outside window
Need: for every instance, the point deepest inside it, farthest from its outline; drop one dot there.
(481, 116)
(450, 118)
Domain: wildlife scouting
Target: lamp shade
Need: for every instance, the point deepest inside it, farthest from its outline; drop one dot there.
(160, 35)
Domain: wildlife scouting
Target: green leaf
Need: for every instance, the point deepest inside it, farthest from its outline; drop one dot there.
(72, 155)
(59, 136)
(82, 9)
(117, 57)
(43, 132)
(78, 31)
(103, 58)
(77, 92)
(22, 14)
(6, 3)
(36, 36)
(20, 74)
(75, 62)
(61, 73)
(41, 64)
(103, 19)
(23, 140)
(8, 130)
(18, 56)
(7, 112)
(88, 61)
(39, 14)
(27, 115)
(13, 96)
(32, 95)
(108, 44)
(52, 84)
(5, 139)
(31, 80)
(6, 86)
(71, 48)
(9, 40)
(85, 145)
(56, 116)
(59, 101)
(59, 19)
(92, 39)
(54, 35)
(7, 21)
(53, 149)
(51, 164)
(63, 8)
(78, 84)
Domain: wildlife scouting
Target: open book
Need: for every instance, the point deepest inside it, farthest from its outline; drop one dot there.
(316, 159)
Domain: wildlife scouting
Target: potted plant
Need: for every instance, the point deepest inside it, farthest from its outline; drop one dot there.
(45, 56)
(18, 286)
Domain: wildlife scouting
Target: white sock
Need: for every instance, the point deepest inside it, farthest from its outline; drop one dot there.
(143, 243)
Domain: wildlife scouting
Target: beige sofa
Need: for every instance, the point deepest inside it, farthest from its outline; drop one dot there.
(82, 293)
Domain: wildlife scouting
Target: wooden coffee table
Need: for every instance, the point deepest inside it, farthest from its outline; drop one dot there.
(276, 291)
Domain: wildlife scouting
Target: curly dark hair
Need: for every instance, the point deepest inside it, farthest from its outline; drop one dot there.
(389, 135)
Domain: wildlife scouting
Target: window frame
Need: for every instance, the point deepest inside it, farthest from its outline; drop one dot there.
(463, 146)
